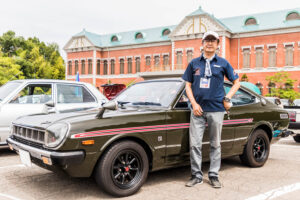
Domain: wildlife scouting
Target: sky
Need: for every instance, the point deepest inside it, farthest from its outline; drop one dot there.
(58, 20)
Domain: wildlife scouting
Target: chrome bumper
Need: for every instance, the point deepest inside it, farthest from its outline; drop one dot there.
(57, 158)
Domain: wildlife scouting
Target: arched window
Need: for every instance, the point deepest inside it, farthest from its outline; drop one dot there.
(129, 65)
(105, 67)
(70, 68)
(292, 16)
(90, 66)
(137, 64)
(139, 35)
(98, 67)
(250, 21)
(114, 38)
(166, 32)
(76, 66)
(82, 66)
(121, 66)
(112, 67)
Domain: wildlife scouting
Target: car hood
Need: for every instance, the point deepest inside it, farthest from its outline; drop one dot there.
(45, 120)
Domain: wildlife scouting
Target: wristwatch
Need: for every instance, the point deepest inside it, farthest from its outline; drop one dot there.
(226, 99)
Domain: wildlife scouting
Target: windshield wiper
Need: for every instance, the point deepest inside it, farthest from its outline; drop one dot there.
(146, 103)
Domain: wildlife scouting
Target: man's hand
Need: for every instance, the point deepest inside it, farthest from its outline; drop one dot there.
(197, 110)
(227, 105)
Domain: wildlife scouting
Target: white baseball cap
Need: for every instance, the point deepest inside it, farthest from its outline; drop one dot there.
(208, 33)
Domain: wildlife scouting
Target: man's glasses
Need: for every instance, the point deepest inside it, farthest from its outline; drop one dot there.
(210, 40)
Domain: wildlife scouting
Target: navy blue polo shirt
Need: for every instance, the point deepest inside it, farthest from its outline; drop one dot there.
(210, 99)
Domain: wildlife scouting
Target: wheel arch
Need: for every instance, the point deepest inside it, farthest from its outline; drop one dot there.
(140, 141)
(266, 126)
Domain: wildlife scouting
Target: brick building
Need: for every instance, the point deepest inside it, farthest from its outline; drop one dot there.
(257, 45)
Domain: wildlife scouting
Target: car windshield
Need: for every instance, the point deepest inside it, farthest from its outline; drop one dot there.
(156, 93)
(6, 89)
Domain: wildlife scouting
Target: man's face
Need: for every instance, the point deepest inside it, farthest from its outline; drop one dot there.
(210, 44)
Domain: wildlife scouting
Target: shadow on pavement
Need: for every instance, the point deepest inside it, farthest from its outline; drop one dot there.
(43, 184)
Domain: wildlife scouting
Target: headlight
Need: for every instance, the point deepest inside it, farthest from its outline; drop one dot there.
(55, 134)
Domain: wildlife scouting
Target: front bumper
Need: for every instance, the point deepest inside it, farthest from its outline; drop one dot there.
(55, 157)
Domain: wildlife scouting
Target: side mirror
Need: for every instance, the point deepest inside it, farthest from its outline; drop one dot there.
(111, 105)
(102, 102)
(50, 103)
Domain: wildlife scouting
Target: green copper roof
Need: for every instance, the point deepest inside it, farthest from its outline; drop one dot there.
(128, 38)
(268, 20)
(199, 11)
(265, 21)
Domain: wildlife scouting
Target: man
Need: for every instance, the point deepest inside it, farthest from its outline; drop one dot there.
(204, 78)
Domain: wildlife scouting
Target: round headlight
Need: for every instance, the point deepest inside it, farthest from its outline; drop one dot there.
(55, 134)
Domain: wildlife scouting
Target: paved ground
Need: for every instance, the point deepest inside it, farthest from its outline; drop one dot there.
(279, 178)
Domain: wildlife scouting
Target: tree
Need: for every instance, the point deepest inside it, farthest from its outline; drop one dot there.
(33, 58)
(9, 70)
(244, 78)
(285, 86)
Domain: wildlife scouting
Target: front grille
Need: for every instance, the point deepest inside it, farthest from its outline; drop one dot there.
(27, 142)
(30, 134)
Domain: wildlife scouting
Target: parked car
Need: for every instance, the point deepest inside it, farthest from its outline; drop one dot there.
(275, 100)
(112, 90)
(294, 116)
(26, 97)
(146, 128)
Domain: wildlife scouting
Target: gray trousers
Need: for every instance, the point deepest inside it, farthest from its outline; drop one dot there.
(197, 127)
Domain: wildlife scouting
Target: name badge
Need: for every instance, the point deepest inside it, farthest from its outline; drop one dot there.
(204, 82)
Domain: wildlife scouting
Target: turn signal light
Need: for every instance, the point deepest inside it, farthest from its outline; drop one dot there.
(46, 160)
(88, 142)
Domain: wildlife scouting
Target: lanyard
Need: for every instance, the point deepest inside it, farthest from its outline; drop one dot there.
(207, 72)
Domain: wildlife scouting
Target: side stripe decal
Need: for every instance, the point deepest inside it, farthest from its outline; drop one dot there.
(149, 128)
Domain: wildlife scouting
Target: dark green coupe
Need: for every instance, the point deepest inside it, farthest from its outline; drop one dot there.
(146, 128)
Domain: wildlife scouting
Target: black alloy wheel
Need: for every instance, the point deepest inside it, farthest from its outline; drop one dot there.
(257, 149)
(126, 169)
(123, 169)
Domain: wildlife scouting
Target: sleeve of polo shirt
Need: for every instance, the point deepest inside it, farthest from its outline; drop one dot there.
(188, 74)
(230, 73)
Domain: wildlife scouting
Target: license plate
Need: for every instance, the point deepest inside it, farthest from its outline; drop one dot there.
(25, 157)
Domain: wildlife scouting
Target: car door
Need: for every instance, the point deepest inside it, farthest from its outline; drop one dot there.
(241, 116)
(178, 139)
(29, 100)
(70, 96)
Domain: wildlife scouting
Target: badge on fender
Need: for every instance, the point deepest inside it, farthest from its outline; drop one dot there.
(204, 82)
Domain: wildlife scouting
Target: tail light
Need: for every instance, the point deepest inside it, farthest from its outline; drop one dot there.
(292, 116)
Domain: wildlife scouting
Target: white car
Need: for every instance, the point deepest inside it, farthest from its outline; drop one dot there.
(26, 97)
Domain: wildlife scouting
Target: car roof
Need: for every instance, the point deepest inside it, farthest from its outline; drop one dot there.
(47, 81)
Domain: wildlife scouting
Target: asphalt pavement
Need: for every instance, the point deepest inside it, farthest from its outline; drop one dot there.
(279, 178)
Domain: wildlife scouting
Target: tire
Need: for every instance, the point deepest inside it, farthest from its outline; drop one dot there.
(123, 169)
(257, 149)
(297, 138)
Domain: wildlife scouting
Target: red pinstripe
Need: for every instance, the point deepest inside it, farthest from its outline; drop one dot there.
(150, 128)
